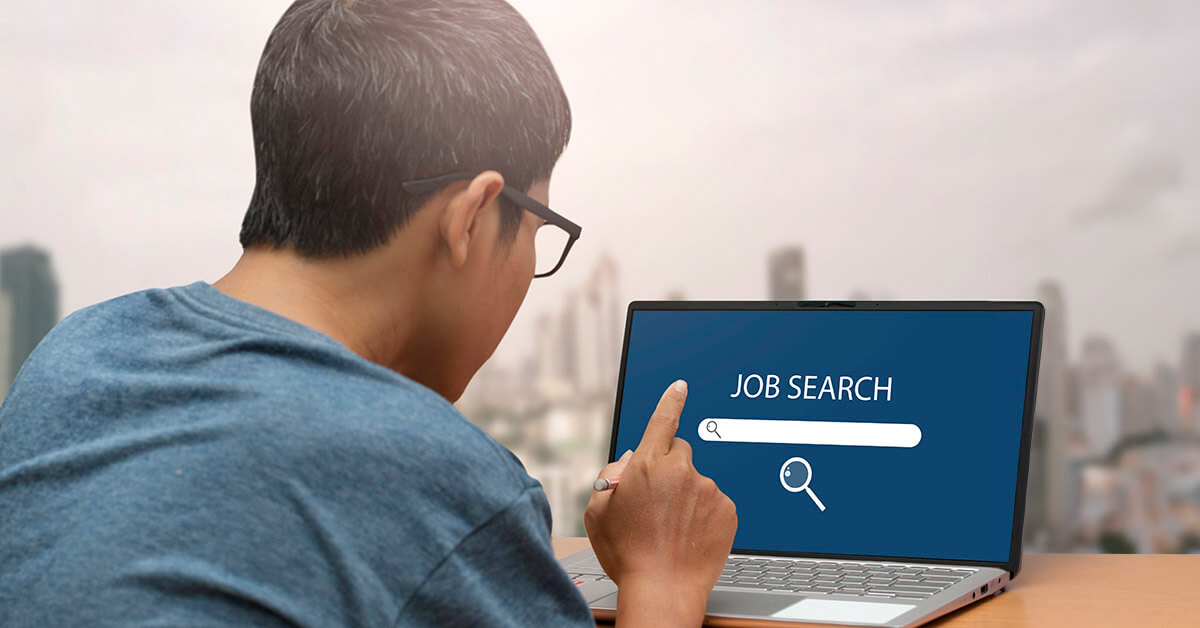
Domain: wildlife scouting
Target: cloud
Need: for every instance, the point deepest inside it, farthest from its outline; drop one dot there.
(1134, 192)
(1185, 248)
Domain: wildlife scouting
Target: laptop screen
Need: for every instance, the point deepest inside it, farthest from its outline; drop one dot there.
(889, 433)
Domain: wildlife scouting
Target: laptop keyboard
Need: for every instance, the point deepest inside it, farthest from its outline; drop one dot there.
(883, 580)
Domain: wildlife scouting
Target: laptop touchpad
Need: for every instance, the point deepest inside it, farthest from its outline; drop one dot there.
(848, 611)
(722, 602)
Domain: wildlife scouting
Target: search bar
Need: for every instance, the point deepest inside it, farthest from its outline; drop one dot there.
(845, 433)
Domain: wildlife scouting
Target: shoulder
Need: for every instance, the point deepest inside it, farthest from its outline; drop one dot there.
(73, 349)
(116, 323)
(101, 317)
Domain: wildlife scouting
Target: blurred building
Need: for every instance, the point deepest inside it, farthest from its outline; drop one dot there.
(550, 358)
(27, 279)
(1190, 392)
(1138, 407)
(5, 340)
(1052, 494)
(1100, 400)
(594, 327)
(579, 351)
(1165, 390)
(786, 274)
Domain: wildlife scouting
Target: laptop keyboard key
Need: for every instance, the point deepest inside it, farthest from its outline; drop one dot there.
(904, 587)
(743, 585)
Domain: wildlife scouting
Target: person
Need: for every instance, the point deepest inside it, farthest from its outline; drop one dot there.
(279, 447)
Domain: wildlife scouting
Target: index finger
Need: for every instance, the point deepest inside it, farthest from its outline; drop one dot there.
(660, 431)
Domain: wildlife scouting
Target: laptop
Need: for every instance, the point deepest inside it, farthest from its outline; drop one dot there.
(877, 452)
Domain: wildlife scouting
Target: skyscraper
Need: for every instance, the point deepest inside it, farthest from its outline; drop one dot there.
(610, 319)
(594, 330)
(550, 356)
(786, 270)
(5, 339)
(1166, 399)
(1100, 399)
(581, 347)
(1190, 380)
(1191, 361)
(1165, 390)
(28, 280)
(1139, 409)
(1054, 423)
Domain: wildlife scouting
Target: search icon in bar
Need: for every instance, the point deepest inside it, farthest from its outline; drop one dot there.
(789, 432)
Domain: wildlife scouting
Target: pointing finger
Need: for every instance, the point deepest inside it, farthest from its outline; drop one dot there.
(660, 431)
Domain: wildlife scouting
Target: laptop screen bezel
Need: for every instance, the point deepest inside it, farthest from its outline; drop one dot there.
(1013, 564)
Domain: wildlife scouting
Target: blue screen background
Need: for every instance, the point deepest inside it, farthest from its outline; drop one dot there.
(958, 375)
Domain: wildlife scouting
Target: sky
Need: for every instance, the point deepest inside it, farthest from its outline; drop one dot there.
(916, 150)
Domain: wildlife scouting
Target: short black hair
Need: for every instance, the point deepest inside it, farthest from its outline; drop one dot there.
(352, 98)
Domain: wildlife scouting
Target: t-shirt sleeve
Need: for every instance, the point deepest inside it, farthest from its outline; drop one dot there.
(502, 574)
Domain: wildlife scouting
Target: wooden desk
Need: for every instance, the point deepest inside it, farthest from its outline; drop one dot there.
(1073, 590)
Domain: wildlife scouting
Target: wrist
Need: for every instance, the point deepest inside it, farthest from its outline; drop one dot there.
(659, 601)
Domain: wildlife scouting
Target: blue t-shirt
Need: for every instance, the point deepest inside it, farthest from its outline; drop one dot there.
(182, 458)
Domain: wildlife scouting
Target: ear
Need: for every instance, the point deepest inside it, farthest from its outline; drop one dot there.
(460, 221)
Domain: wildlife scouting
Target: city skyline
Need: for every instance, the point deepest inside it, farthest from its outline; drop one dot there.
(1114, 462)
(508, 355)
(787, 279)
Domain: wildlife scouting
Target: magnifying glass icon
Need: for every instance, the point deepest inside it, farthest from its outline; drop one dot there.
(711, 427)
(794, 475)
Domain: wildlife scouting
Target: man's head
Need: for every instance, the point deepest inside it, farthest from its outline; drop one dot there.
(353, 98)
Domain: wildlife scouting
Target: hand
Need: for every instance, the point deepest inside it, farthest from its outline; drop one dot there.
(664, 533)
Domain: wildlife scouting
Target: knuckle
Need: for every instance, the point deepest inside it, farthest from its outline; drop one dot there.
(641, 466)
(684, 466)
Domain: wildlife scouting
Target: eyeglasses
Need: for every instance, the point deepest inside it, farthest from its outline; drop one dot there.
(551, 245)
